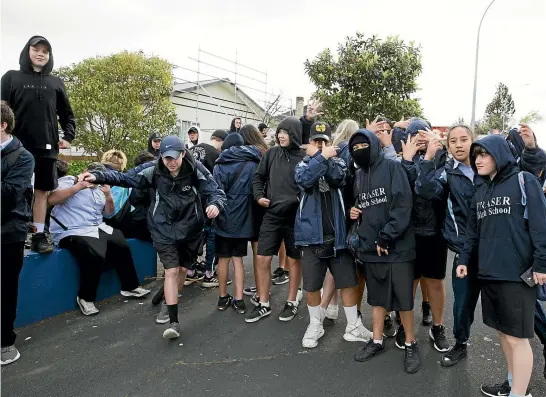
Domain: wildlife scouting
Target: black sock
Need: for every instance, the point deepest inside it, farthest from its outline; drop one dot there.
(173, 313)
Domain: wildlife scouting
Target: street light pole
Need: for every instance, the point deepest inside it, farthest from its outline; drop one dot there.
(473, 120)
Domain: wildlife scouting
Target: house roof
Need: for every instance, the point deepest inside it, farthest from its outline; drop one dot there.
(192, 86)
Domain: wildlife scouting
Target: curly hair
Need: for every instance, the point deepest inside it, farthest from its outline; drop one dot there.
(115, 159)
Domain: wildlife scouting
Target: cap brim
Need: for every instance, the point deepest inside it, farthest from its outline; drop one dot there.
(320, 137)
(175, 154)
(38, 40)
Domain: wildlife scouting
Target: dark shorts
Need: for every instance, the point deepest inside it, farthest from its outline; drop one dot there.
(183, 254)
(230, 247)
(258, 213)
(342, 267)
(273, 232)
(431, 257)
(390, 285)
(45, 174)
(509, 307)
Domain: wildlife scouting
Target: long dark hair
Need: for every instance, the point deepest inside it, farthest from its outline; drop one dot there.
(252, 137)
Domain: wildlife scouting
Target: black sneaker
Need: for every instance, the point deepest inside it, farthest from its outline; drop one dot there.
(288, 312)
(501, 389)
(239, 306)
(278, 271)
(438, 335)
(454, 355)
(412, 361)
(400, 340)
(389, 329)
(250, 291)
(42, 243)
(210, 282)
(194, 278)
(258, 313)
(224, 302)
(369, 351)
(281, 278)
(427, 314)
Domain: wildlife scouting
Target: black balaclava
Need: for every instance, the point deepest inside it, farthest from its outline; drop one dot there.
(361, 156)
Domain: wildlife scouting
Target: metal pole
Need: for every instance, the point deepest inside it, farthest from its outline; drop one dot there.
(235, 85)
(198, 85)
(473, 119)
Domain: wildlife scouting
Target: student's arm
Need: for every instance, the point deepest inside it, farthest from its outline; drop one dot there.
(336, 172)
(307, 174)
(17, 181)
(109, 206)
(260, 177)
(411, 170)
(400, 208)
(472, 236)
(66, 115)
(65, 190)
(536, 205)
(431, 183)
(208, 188)
(141, 180)
(390, 152)
(5, 90)
(219, 177)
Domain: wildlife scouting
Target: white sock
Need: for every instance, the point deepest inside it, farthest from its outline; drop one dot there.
(408, 344)
(378, 342)
(295, 303)
(316, 312)
(351, 313)
(39, 227)
(266, 304)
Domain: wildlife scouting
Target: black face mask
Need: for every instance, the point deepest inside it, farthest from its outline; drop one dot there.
(362, 158)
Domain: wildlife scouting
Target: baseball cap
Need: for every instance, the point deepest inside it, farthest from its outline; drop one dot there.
(172, 146)
(193, 129)
(220, 134)
(37, 40)
(96, 166)
(262, 126)
(320, 130)
(155, 136)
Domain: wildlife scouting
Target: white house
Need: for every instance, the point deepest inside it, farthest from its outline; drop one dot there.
(211, 105)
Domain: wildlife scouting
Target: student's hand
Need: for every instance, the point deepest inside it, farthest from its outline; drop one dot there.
(462, 271)
(528, 136)
(374, 126)
(81, 185)
(355, 213)
(402, 124)
(410, 148)
(64, 144)
(313, 109)
(381, 250)
(310, 150)
(88, 177)
(385, 137)
(212, 211)
(264, 202)
(105, 189)
(433, 147)
(540, 278)
(329, 151)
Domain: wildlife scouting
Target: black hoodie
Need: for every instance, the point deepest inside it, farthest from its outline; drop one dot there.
(277, 172)
(384, 195)
(507, 244)
(37, 98)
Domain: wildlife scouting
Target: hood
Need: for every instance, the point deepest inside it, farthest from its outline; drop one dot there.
(416, 125)
(238, 154)
(497, 147)
(233, 139)
(188, 166)
(24, 59)
(232, 126)
(375, 146)
(293, 126)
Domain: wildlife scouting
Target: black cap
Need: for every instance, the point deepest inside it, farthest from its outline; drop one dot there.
(262, 126)
(155, 136)
(37, 40)
(320, 131)
(193, 129)
(220, 134)
(171, 146)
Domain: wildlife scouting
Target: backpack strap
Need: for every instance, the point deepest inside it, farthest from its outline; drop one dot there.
(58, 222)
(13, 157)
(521, 179)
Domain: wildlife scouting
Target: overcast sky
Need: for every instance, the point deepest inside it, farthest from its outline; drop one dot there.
(278, 36)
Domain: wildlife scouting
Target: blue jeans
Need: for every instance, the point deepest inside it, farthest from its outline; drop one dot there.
(540, 322)
(210, 257)
(466, 292)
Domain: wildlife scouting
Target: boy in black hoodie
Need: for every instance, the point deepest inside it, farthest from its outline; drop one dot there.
(40, 104)
(507, 230)
(384, 241)
(280, 199)
(17, 167)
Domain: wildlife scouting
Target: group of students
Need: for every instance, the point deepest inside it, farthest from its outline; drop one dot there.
(378, 206)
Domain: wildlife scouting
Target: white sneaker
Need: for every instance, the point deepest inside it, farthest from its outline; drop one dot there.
(332, 312)
(314, 332)
(357, 332)
(138, 292)
(299, 296)
(87, 308)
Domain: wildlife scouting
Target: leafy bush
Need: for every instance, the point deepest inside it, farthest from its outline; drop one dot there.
(76, 167)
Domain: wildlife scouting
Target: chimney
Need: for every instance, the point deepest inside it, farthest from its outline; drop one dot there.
(299, 106)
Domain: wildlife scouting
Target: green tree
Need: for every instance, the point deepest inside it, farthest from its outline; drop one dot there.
(119, 100)
(501, 109)
(532, 117)
(369, 77)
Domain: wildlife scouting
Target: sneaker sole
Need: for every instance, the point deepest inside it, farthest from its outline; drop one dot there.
(369, 358)
(286, 319)
(413, 370)
(162, 321)
(403, 347)
(86, 314)
(209, 285)
(17, 357)
(239, 311)
(391, 335)
(132, 295)
(316, 341)
(170, 334)
(435, 346)
(253, 320)
(281, 282)
(495, 395)
(190, 282)
(352, 338)
(248, 293)
(450, 363)
(223, 308)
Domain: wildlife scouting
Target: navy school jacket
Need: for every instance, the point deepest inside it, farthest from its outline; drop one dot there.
(236, 221)
(507, 244)
(308, 225)
(385, 197)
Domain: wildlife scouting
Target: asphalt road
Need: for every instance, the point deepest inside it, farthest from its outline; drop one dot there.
(121, 353)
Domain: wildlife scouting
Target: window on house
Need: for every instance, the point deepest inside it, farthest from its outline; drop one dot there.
(184, 127)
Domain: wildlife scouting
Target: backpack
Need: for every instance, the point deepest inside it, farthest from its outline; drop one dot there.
(28, 194)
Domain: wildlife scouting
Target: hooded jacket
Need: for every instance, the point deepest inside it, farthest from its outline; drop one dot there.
(190, 144)
(176, 212)
(233, 173)
(532, 160)
(151, 149)
(507, 244)
(274, 178)
(232, 126)
(308, 228)
(17, 169)
(37, 99)
(385, 197)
